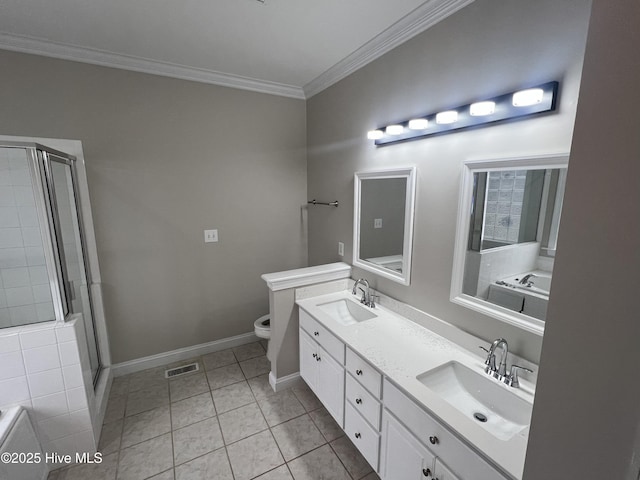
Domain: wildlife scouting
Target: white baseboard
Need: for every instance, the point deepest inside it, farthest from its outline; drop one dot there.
(186, 353)
(285, 382)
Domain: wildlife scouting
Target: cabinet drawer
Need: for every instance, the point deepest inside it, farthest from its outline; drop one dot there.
(363, 402)
(365, 438)
(465, 462)
(364, 373)
(328, 341)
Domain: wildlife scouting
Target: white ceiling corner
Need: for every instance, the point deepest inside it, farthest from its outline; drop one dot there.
(423, 17)
(17, 36)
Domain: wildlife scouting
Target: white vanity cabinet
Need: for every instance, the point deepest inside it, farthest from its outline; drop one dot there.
(321, 365)
(363, 407)
(429, 445)
(404, 457)
(396, 434)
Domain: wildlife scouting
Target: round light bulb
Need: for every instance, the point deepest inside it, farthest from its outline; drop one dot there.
(375, 134)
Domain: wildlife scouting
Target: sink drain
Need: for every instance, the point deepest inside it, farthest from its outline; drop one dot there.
(480, 417)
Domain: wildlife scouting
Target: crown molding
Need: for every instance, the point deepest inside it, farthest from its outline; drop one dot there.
(423, 17)
(24, 44)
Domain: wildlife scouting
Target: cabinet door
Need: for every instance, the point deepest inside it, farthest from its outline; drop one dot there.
(443, 473)
(402, 456)
(330, 386)
(308, 363)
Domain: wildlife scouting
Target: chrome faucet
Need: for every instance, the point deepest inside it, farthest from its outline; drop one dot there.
(525, 280)
(500, 373)
(490, 362)
(367, 298)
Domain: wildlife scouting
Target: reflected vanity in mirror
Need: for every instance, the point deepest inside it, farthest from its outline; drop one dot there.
(508, 221)
(383, 222)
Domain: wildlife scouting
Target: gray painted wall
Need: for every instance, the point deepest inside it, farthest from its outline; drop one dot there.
(489, 48)
(586, 417)
(166, 159)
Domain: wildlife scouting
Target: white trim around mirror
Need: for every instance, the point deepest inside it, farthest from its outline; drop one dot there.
(470, 167)
(409, 173)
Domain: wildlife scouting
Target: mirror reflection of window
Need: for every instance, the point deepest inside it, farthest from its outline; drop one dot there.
(515, 215)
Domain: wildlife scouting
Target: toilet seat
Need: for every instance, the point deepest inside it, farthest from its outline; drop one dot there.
(261, 330)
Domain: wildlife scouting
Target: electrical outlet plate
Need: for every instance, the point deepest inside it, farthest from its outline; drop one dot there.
(341, 249)
(377, 223)
(210, 236)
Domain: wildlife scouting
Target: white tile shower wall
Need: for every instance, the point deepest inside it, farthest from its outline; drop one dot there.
(46, 369)
(25, 295)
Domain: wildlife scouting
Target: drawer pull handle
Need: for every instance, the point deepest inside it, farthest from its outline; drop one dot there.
(434, 440)
(359, 401)
(358, 372)
(315, 334)
(358, 435)
(426, 472)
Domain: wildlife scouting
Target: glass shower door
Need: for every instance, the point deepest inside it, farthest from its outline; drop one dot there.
(71, 249)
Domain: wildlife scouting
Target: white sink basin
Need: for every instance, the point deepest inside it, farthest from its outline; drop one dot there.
(479, 397)
(347, 312)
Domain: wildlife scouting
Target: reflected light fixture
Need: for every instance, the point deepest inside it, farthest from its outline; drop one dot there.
(509, 106)
(394, 130)
(446, 118)
(480, 109)
(418, 124)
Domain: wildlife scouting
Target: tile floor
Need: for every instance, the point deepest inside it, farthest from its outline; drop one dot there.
(223, 422)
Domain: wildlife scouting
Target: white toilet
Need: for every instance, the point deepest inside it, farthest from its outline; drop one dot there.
(262, 329)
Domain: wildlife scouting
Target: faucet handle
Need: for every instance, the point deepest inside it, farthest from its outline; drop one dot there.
(512, 378)
(372, 303)
(490, 361)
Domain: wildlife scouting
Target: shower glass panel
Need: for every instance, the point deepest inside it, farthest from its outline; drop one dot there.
(44, 275)
(25, 289)
(71, 249)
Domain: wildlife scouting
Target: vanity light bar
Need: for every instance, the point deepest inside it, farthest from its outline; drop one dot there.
(514, 105)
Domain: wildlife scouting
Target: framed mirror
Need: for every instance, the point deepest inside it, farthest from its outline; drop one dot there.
(508, 220)
(384, 203)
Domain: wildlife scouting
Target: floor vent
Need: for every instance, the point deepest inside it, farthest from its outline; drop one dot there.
(174, 372)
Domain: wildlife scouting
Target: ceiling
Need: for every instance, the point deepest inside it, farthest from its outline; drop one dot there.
(293, 48)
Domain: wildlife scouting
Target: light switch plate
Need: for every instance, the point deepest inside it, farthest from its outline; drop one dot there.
(210, 236)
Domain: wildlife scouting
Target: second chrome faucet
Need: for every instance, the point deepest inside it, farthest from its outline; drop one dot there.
(500, 372)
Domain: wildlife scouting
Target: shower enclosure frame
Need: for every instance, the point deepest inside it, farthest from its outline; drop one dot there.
(40, 167)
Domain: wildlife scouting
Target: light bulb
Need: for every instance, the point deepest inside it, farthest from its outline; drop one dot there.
(418, 124)
(526, 98)
(375, 134)
(444, 118)
(480, 109)
(394, 130)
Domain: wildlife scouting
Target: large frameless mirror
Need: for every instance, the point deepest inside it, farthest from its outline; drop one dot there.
(508, 222)
(383, 222)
